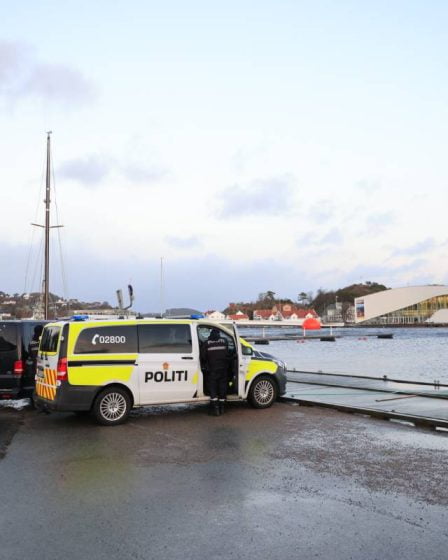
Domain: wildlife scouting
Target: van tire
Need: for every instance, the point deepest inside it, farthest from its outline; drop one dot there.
(112, 406)
(262, 392)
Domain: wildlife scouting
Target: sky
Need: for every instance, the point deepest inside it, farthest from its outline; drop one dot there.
(252, 145)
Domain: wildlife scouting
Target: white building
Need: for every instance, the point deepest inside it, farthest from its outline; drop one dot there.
(215, 315)
(410, 305)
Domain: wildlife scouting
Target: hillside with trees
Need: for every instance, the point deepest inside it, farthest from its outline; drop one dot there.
(265, 300)
(306, 300)
(346, 296)
(23, 306)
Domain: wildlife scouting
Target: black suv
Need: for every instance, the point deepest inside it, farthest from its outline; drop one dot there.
(19, 341)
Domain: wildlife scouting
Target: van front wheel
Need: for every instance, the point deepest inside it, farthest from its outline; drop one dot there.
(262, 392)
(112, 406)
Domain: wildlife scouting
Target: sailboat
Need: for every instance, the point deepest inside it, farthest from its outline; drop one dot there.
(42, 312)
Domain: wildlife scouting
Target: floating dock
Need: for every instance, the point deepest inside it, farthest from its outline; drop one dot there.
(418, 403)
(265, 339)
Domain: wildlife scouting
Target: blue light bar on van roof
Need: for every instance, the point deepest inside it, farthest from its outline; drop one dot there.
(197, 316)
(79, 317)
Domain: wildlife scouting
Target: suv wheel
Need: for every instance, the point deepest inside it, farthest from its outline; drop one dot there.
(262, 392)
(112, 406)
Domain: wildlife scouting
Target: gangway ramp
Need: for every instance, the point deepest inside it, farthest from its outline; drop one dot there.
(416, 402)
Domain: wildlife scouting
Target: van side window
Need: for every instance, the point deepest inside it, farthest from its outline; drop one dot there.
(30, 338)
(49, 340)
(8, 337)
(164, 339)
(107, 340)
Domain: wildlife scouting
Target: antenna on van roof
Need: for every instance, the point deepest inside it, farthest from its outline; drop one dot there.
(120, 299)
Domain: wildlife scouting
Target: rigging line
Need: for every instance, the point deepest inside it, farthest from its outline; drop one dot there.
(40, 266)
(61, 253)
(28, 260)
(42, 272)
(41, 189)
(61, 258)
(38, 261)
(36, 217)
(53, 305)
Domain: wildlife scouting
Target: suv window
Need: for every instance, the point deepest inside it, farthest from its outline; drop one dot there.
(49, 340)
(8, 337)
(120, 339)
(161, 339)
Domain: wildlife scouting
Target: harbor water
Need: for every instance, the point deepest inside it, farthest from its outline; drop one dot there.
(417, 354)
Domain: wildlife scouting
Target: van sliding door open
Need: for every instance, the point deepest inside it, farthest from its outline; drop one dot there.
(168, 363)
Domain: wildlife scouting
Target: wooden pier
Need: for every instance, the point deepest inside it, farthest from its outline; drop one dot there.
(418, 403)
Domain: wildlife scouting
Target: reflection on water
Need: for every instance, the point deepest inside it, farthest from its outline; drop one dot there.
(416, 354)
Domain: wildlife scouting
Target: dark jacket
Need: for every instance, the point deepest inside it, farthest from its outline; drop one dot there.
(216, 353)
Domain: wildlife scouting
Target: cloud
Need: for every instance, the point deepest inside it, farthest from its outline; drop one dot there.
(381, 219)
(331, 237)
(268, 197)
(12, 58)
(202, 282)
(368, 185)
(12, 280)
(213, 282)
(183, 242)
(90, 170)
(58, 83)
(411, 266)
(23, 76)
(416, 249)
(137, 173)
(321, 211)
(390, 275)
(239, 160)
(377, 223)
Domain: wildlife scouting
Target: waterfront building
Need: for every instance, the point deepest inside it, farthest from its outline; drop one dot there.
(238, 316)
(339, 312)
(266, 315)
(404, 306)
(284, 312)
(215, 315)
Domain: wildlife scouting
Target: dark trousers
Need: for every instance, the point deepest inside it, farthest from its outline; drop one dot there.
(217, 383)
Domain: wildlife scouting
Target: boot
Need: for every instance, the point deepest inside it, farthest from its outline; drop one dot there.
(214, 408)
(222, 404)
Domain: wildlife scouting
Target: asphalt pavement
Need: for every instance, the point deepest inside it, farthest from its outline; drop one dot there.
(287, 482)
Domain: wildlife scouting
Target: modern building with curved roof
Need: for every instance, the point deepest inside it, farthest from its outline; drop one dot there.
(404, 306)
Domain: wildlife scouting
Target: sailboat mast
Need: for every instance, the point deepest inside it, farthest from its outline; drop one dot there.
(47, 229)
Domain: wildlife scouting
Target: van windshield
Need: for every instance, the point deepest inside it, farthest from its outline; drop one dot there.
(50, 338)
(8, 337)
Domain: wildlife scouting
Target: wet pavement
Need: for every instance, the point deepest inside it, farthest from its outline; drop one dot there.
(287, 482)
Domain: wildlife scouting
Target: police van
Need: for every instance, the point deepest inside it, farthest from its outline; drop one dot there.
(109, 367)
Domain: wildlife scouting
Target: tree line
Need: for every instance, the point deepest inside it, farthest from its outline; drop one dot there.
(306, 300)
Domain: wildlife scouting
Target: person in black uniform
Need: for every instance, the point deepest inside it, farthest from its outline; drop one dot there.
(216, 355)
(34, 342)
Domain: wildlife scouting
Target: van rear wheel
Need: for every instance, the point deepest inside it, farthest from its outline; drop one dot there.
(262, 392)
(112, 406)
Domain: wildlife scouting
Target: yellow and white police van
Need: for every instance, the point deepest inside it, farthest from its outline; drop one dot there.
(108, 367)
